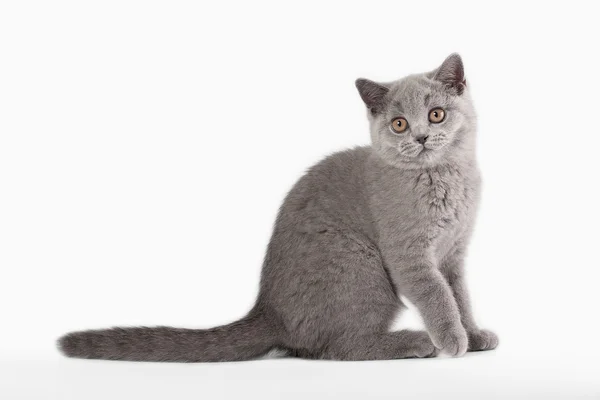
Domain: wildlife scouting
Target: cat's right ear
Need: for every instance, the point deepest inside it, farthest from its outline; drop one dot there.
(372, 93)
(451, 73)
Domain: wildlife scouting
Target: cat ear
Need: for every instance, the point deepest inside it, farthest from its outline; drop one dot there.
(452, 73)
(372, 93)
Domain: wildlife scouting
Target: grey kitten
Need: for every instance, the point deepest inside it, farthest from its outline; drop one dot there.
(358, 230)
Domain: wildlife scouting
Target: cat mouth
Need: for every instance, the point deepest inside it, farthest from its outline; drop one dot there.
(422, 153)
(426, 154)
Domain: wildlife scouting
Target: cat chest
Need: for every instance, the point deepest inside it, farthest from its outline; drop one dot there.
(424, 212)
(440, 196)
(443, 203)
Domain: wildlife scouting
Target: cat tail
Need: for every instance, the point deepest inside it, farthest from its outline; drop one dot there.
(248, 338)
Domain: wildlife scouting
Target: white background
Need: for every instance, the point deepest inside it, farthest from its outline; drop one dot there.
(145, 148)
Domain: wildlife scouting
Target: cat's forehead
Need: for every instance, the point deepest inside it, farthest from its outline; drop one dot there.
(416, 93)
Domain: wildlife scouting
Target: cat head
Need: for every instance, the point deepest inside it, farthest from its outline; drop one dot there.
(421, 120)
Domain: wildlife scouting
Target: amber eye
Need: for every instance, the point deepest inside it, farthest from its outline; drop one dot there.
(437, 115)
(399, 125)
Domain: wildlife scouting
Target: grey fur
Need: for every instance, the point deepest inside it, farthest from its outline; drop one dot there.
(359, 229)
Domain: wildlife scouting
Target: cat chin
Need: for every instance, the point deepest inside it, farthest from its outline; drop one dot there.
(426, 158)
(418, 162)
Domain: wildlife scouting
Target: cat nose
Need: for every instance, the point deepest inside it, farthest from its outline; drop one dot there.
(421, 139)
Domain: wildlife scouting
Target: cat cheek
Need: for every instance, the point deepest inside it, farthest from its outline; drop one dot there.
(437, 142)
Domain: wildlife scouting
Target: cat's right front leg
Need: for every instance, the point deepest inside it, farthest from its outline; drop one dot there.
(422, 283)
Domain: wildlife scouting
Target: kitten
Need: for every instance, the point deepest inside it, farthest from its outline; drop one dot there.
(361, 228)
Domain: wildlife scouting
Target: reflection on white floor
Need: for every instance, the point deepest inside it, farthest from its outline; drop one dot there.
(491, 375)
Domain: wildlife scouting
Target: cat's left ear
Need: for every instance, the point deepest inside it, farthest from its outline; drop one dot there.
(452, 73)
(373, 94)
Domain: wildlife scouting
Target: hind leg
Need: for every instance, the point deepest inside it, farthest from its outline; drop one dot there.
(382, 346)
(335, 300)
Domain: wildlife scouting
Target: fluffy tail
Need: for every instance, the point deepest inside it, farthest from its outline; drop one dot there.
(245, 339)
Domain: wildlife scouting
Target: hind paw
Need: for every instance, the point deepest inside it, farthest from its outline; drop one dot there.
(421, 345)
(482, 340)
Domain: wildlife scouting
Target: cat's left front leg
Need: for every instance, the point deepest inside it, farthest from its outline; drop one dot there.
(453, 270)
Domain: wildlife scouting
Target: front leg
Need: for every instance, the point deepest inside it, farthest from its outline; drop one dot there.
(422, 283)
(453, 270)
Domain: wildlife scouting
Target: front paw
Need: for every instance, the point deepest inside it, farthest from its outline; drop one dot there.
(452, 341)
(482, 340)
